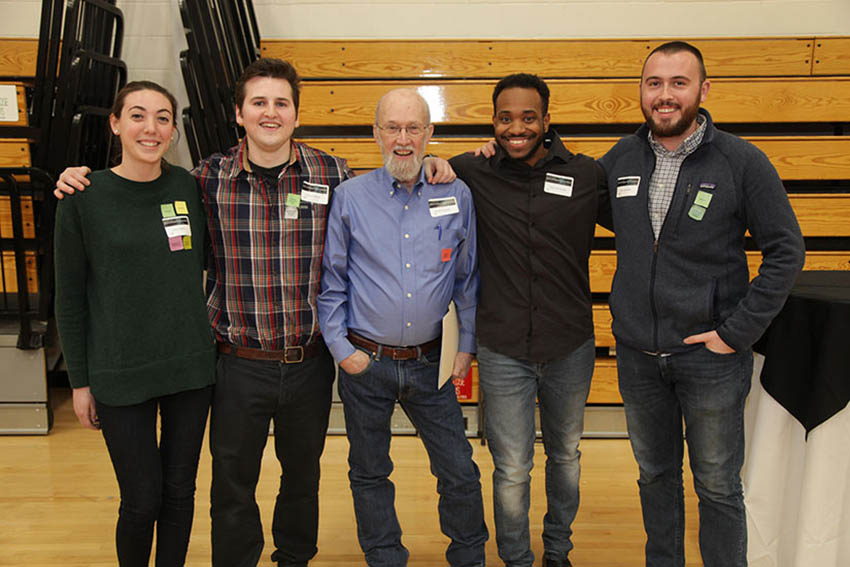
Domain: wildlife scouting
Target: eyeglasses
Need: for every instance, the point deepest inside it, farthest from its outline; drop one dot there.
(394, 130)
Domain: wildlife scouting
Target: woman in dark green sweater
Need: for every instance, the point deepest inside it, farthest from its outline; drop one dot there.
(132, 321)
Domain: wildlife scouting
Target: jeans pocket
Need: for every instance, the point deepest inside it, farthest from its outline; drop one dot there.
(368, 366)
(721, 354)
(430, 359)
(220, 369)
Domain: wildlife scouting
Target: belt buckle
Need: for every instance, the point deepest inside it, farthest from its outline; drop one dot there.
(407, 353)
(298, 349)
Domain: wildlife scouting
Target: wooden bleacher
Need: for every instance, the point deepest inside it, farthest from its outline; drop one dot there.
(17, 67)
(788, 96)
(18, 57)
(586, 101)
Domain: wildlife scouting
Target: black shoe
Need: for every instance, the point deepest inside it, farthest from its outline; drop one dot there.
(549, 562)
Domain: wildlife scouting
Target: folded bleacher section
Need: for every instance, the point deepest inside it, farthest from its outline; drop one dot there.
(223, 39)
(64, 114)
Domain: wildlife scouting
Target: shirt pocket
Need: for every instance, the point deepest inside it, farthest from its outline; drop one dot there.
(440, 248)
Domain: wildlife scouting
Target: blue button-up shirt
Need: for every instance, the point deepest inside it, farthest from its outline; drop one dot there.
(392, 263)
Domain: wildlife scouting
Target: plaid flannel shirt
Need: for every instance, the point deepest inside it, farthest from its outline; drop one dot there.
(264, 275)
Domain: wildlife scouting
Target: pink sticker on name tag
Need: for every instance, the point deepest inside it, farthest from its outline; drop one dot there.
(175, 243)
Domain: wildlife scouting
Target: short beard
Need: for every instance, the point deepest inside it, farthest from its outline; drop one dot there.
(672, 129)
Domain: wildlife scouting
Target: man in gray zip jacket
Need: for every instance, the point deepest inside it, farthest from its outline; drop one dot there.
(685, 312)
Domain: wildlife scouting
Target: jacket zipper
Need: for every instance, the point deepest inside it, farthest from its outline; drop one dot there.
(652, 297)
(655, 325)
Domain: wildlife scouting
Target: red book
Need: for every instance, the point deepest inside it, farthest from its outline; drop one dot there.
(463, 387)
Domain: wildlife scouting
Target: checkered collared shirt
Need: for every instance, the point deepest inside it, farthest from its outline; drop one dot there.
(264, 277)
(667, 165)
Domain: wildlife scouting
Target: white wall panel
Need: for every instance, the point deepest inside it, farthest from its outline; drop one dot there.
(19, 18)
(535, 19)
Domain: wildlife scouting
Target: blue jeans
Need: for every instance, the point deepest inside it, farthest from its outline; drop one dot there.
(368, 401)
(249, 394)
(510, 387)
(157, 481)
(709, 391)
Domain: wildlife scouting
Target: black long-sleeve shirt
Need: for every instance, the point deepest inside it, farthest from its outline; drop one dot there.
(534, 239)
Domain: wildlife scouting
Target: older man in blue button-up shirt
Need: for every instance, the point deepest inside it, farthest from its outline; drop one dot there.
(398, 250)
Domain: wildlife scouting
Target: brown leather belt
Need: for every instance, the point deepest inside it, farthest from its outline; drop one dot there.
(393, 352)
(289, 355)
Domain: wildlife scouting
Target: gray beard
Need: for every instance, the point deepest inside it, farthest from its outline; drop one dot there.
(403, 171)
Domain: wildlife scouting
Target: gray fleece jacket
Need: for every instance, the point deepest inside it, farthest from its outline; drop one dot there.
(694, 278)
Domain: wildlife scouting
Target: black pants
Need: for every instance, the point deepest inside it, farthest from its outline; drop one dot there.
(248, 395)
(157, 482)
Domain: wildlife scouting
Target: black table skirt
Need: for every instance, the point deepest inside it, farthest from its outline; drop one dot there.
(807, 349)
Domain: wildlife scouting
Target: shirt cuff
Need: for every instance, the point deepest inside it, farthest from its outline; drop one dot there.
(731, 342)
(341, 349)
(466, 342)
(78, 375)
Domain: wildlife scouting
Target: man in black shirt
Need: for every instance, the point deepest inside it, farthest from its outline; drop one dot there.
(537, 204)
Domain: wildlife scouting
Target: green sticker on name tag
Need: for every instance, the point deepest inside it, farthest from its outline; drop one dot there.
(696, 212)
(167, 210)
(703, 199)
(293, 200)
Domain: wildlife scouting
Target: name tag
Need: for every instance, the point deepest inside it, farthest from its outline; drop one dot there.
(628, 186)
(177, 226)
(558, 185)
(315, 193)
(443, 207)
(703, 198)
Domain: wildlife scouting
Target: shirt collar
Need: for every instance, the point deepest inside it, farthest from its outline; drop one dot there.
(241, 162)
(395, 186)
(687, 147)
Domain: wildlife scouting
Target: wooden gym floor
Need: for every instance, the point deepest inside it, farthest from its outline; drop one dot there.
(59, 501)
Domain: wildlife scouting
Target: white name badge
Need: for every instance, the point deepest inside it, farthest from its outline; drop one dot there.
(8, 103)
(315, 193)
(177, 226)
(443, 207)
(628, 186)
(558, 185)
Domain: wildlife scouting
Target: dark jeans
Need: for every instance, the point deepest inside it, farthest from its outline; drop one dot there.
(248, 395)
(708, 390)
(157, 482)
(368, 401)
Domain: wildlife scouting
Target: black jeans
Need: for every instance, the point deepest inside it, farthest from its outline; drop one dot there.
(248, 395)
(157, 482)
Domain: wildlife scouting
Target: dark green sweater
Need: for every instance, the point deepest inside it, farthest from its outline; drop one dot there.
(129, 301)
